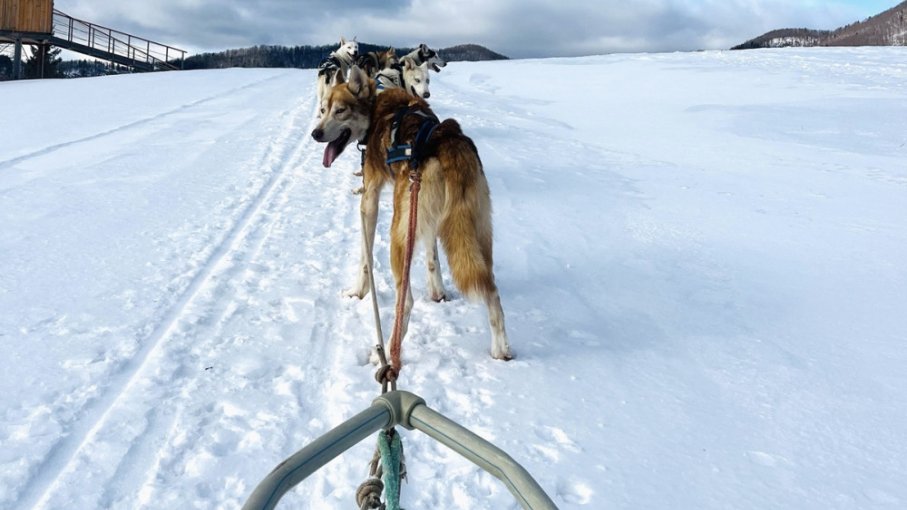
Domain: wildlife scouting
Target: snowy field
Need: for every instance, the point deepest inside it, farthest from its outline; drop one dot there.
(702, 259)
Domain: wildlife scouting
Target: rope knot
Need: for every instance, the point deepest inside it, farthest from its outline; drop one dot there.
(368, 495)
(387, 374)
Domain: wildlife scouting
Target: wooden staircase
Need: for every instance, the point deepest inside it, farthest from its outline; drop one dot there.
(113, 46)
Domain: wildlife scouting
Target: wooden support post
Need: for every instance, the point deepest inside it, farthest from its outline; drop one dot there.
(17, 60)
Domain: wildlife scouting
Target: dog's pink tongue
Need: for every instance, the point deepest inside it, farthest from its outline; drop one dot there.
(330, 154)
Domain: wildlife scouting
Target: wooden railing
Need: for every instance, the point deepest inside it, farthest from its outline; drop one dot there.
(115, 46)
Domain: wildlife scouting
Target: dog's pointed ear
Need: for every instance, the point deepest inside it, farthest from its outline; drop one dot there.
(408, 64)
(337, 79)
(423, 47)
(342, 40)
(358, 84)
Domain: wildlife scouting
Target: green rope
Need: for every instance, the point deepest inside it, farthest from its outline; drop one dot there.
(391, 448)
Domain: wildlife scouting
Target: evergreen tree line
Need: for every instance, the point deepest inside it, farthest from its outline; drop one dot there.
(32, 67)
(302, 57)
(309, 57)
(86, 68)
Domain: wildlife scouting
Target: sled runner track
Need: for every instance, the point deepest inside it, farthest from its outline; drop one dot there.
(48, 150)
(285, 149)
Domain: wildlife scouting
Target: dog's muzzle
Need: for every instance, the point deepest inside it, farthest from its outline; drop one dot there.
(334, 147)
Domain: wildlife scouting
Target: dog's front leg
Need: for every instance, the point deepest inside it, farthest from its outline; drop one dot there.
(369, 209)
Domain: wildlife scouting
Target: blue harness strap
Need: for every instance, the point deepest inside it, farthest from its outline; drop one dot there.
(399, 153)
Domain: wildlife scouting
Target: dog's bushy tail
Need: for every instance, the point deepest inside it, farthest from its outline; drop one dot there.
(465, 229)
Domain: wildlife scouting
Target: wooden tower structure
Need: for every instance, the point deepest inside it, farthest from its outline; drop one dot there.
(36, 22)
(25, 22)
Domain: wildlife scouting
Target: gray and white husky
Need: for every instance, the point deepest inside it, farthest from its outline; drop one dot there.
(407, 75)
(423, 54)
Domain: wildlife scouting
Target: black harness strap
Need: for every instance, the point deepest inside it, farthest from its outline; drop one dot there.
(414, 152)
(329, 63)
(423, 58)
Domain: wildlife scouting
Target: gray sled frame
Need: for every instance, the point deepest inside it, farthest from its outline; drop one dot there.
(408, 410)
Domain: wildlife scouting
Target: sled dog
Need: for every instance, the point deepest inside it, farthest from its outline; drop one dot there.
(454, 203)
(374, 62)
(337, 64)
(409, 76)
(423, 54)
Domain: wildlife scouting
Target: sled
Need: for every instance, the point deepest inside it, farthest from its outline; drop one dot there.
(409, 411)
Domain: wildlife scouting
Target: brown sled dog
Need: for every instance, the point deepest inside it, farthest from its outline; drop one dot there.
(454, 202)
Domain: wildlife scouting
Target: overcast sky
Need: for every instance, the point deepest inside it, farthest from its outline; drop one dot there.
(516, 28)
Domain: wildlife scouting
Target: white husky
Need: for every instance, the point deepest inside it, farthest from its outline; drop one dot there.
(407, 75)
(338, 62)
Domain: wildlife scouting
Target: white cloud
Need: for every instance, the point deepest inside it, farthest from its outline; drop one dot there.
(518, 28)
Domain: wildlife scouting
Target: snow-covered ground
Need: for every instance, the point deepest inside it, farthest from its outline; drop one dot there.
(702, 259)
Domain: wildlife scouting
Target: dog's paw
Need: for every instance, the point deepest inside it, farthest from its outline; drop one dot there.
(358, 174)
(503, 356)
(358, 191)
(440, 297)
(355, 293)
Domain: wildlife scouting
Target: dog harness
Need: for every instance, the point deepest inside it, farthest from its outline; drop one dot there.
(426, 56)
(384, 80)
(330, 63)
(368, 59)
(414, 152)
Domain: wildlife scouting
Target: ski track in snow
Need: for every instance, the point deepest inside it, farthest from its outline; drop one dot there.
(86, 439)
(98, 464)
(118, 129)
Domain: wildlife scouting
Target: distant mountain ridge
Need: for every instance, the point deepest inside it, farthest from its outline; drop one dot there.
(306, 57)
(470, 53)
(886, 29)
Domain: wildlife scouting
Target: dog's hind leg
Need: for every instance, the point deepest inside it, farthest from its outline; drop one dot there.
(431, 210)
(467, 238)
(435, 283)
(471, 265)
(500, 346)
